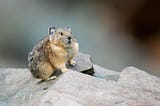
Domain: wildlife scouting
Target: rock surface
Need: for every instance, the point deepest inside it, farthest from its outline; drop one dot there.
(83, 64)
(18, 87)
(133, 88)
(100, 72)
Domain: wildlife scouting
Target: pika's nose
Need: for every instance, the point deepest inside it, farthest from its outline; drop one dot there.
(69, 38)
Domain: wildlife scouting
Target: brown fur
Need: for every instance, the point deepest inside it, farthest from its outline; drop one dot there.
(52, 53)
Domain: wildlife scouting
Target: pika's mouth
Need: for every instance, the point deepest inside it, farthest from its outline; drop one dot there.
(69, 41)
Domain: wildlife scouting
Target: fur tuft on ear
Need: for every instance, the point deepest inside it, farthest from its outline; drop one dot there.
(51, 30)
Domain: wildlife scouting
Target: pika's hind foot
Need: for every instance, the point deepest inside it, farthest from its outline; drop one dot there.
(52, 78)
(64, 70)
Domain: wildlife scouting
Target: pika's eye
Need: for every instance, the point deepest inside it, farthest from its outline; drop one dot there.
(61, 33)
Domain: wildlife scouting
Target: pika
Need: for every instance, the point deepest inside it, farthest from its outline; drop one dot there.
(53, 52)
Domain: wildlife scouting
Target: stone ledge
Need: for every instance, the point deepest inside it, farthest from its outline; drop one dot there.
(103, 73)
(132, 87)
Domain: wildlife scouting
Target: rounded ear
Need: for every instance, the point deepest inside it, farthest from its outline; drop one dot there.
(51, 30)
(68, 28)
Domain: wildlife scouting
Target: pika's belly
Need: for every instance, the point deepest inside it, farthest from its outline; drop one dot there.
(70, 53)
(73, 51)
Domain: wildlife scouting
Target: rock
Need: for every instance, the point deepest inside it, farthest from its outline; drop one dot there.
(133, 88)
(18, 87)
(83, 64)
(105, 73)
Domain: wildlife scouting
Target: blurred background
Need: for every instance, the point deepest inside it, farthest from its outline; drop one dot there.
(117, 34)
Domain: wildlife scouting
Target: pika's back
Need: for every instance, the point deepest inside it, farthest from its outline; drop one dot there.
(38, 53)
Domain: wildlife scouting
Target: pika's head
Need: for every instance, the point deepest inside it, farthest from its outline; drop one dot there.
(62, 36)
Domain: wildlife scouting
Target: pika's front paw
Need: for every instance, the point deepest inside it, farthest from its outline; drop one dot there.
(64, 70)
(72, 63)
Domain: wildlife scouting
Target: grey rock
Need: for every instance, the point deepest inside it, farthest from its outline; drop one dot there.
(19, 88)
(107, 74)
(83, 64)
(133, 88)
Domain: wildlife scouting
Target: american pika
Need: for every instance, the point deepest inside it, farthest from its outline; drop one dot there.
(52, 53)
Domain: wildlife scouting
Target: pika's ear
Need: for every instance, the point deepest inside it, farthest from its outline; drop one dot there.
(51, 30)
(68, 28)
